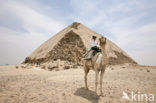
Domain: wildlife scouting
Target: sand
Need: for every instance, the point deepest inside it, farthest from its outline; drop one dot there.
(22, 85)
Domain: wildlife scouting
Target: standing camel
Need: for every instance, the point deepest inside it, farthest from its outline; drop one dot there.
(98, 64)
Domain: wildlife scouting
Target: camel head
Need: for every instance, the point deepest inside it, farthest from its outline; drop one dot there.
(102, 41)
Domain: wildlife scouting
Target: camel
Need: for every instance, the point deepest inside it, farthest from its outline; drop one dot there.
(98, 64)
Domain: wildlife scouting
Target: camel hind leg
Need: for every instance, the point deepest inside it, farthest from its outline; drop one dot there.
(101, 80)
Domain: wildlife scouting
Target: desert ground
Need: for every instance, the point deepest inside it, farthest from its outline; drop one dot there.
(35, 85)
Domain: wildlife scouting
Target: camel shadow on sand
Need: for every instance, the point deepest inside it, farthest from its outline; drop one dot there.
(87, 94)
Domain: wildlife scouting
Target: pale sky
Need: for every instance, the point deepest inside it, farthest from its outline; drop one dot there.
(26, 24)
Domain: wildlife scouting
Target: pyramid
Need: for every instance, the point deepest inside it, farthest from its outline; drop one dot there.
(71, 44)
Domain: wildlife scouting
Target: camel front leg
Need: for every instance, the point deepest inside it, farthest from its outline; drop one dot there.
(96, 80)
(101, 80)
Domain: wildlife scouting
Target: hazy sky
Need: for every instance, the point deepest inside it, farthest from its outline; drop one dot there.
(25, 24)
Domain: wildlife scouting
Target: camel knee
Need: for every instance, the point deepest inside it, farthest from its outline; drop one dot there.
(100, 83)
(96, 82)
(85, 77)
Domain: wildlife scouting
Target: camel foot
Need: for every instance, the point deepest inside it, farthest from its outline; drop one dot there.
(101, 95)
(87, 88)
(96, 96)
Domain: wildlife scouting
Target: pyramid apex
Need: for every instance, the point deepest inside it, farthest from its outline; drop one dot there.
(75, 25)
(76, 22)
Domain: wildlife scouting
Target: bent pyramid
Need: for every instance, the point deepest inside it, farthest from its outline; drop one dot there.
(71, 44)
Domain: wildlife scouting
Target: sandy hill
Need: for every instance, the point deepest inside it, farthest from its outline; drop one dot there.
(71, 44)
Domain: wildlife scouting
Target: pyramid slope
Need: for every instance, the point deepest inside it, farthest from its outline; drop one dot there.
(115, 54)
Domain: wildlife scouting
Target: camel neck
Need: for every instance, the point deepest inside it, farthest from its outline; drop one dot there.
(103, 50)
(104, 53)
